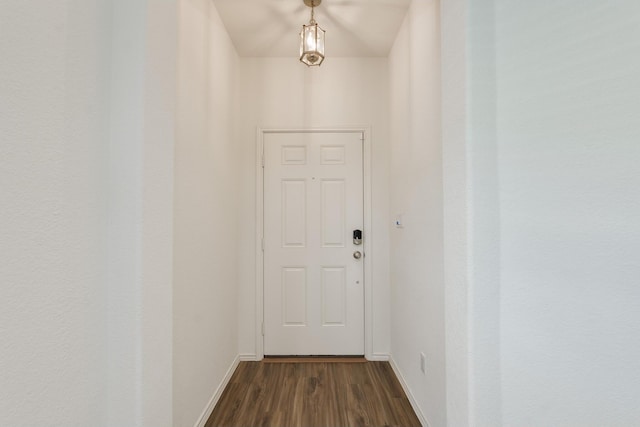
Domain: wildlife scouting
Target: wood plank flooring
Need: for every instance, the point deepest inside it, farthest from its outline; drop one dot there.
(321, 394)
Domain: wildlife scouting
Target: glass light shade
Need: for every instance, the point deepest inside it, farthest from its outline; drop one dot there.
(312, 44)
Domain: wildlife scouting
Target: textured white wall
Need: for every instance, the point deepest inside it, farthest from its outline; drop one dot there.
(279, 92)
(87, 153)
(484, 220)
(568, 132)
(548, 115)
(139, 292)
(157, 240)
(125, 158)
(53, 192)
(205, 333)
(454, 26)
(417, 279)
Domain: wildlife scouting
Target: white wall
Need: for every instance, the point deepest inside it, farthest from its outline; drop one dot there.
(140, 229)
(53, 142)
(454, 26)
(123, 297)
(484, 220)
(206, 190)
(417, 281)
(86, 152)
(551, 151)
(282, 92)
(568, 97)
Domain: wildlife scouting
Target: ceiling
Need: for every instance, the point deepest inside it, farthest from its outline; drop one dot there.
(270, 28)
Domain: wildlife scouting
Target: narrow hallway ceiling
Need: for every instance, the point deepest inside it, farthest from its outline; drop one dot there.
(270, 28)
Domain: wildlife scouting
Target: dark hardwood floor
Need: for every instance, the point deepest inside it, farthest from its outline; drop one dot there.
(319, 394)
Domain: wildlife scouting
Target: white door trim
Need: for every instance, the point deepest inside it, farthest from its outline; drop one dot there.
(368, 234)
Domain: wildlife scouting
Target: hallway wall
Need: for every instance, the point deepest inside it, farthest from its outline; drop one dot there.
(142, 113)
(454, 25)
(54, 100)
(551, 146)
(87, 148)
(568, 126)
(205, 333)
(343, 92)
(417, 280)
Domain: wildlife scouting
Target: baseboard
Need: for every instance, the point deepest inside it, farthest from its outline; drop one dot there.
(216, 395)
(248, 357)
(378, 357)
(407, 391)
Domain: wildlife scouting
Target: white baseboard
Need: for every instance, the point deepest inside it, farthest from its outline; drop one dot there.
(216, 395)
(378, 357)
(248, 357)
(407, 391)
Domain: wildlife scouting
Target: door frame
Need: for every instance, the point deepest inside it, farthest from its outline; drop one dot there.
(365, 131)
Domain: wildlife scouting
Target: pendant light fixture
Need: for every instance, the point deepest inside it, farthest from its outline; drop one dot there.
(312, 39)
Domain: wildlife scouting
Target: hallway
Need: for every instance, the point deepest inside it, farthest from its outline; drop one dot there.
(500, 172)
(313, 394)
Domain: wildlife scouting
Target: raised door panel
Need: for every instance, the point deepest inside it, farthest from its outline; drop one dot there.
(333, 213)
(334, 295)
(294, 213)
(294, 296)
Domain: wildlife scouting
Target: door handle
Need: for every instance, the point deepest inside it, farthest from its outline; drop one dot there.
(357, 254)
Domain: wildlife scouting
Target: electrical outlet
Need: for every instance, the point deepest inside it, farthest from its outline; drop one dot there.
(423, 363)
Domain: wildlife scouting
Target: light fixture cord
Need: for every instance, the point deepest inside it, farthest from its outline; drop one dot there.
(313, 21)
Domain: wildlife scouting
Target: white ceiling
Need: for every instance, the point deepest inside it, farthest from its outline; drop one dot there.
(271, 27)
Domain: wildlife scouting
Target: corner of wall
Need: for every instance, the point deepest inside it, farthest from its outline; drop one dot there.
(407, 390)
(208, 410)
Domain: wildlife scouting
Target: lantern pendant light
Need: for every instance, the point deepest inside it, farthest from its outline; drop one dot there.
(312, 39)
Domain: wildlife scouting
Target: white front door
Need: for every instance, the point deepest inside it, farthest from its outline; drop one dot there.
(313, 283)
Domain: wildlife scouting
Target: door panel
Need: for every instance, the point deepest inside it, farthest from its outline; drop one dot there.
(294, 213)
(333, 213)
(294, 296)
(334, 296)
(313, 285)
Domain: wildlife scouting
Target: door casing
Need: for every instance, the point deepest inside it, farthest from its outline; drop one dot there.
(365, 131)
